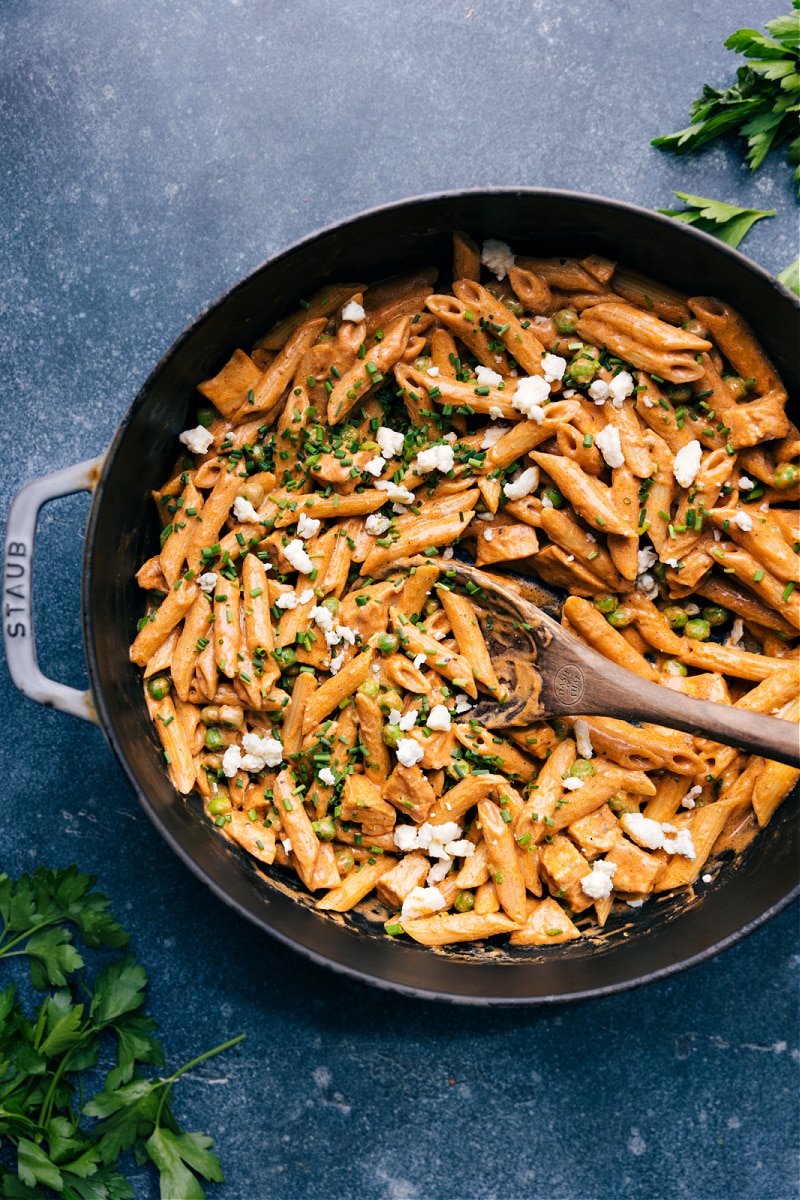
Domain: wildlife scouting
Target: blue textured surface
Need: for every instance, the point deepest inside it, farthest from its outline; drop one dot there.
(148, 158)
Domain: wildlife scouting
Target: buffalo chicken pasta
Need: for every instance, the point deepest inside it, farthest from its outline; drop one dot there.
(569, 419)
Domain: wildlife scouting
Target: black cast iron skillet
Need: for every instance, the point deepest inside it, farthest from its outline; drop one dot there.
(668, 933)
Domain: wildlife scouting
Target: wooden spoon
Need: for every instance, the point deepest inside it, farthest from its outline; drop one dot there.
(550, 673)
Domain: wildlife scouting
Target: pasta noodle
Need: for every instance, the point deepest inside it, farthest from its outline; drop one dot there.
(571, 419)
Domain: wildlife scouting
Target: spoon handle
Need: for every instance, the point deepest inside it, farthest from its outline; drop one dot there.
(613, 692)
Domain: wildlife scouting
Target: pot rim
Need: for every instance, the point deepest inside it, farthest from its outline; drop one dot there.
(110, 732)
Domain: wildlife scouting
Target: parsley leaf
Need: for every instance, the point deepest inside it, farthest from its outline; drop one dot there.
(762, 106)
(724, 221)
(790, 277)
(63, 1143)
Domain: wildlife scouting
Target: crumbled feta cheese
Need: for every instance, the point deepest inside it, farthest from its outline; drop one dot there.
(687, 463)
(495, 413)
(647, 558)
(336, 664)
(608, 443)
(599, 391)
(422, 902)
(305, 596)
(487, 375)
(707, 878)
(672, 562)
(353, 311)
(296, 556)
(599, 884)
(243, 510)
(391, 443)
(447, 553)
(435, 458)
(346, 634)
(462, 703)
(323, 617)
(572, 783)
(688, 800)
(375, 465)
(287, 844)
(484, 516)
(497, 256)
(419, 661)
(546, 502)
(646, 584)
(554, 367)
(523, 484)
(405, 837)
(462, 848)
(438, 872)
(197, 440)
(681, 844)
(433, 837)
(395, 491)
(208, 581)
(736, 634)
(434, 372)
(307, 527)
(583, 739)
(408, 720)
(377, 524)
(287, 600)
(644, 831)
(394, 716)
(451, 437)
(409, 752)
(634, 903)
(267, 750)
(493, 434)
(488, 535)
(231, 760)
(621, 385)
(569, 393)
(743, 521)
(327, 776)
(745, 483)
(529, 395)
(439, 718)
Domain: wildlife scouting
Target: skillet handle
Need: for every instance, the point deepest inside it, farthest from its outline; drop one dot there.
(18, 635)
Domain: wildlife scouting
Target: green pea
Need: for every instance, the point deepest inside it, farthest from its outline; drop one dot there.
(464, 902)
(676, 616)
(679, 393)
(582, 769)
(582, 369)
(554, 496)
(253, 491)
(159, 687)
(431, 606)
(284, 656)
(672, 667)
(391, 735)
(257, 454)
(565, 320)
(370, 688)
(210, 714)
(620, 618)
(331, 603)
(388, 643)
(423, 362)
(621, 803)
(219, 805)
(206, 417)
(786, 476)
(345, 860)
(715, 615)
(736, 386)
(606, 603)
(391, 700)
(325, 829)
(698, 630)
(214, 739)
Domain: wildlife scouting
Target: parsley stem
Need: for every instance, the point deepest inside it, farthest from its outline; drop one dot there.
(170, 1080)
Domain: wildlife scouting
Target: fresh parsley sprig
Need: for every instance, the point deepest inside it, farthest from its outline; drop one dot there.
(52, 1138)
(790, 277)
(763, 106)
(724, 221)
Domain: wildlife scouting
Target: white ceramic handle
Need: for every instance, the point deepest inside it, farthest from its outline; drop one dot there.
(20, 645)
